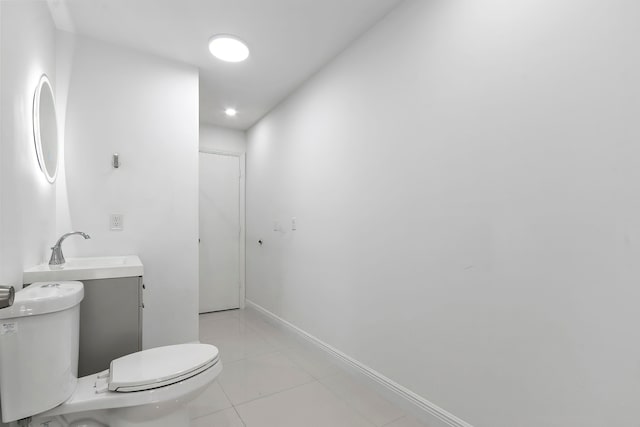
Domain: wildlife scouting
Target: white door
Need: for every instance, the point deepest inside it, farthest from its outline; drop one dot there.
(219, 232)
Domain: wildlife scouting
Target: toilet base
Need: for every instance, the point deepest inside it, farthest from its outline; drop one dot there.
(174, 418)
(116, 418)
(80, 419)
(165, 406)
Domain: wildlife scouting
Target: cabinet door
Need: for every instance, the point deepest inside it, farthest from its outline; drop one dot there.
(109, 322)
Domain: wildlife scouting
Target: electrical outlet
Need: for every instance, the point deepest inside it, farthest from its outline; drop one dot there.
(116, 222)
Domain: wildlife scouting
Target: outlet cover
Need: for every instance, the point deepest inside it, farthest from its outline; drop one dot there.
(116, 222)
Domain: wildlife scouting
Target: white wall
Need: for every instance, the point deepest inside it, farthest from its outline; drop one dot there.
(65, 48)
(222, 139)
(146, 109)
(28, 214)
(465, 179)
(27, 200)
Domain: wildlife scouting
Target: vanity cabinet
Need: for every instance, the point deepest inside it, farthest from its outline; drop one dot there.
(111, 311)
(110, 322)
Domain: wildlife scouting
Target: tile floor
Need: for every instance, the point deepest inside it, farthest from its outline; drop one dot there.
(273, 379)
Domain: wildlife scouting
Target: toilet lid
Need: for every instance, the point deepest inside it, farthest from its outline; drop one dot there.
(160, 366)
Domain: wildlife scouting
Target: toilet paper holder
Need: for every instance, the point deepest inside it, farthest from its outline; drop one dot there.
(7, 295)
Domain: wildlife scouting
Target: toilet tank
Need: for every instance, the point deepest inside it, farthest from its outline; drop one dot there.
(39, 337)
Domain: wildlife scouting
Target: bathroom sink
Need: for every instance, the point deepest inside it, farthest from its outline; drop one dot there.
(86, 268)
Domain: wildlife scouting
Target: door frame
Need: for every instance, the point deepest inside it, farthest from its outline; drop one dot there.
(242, 220)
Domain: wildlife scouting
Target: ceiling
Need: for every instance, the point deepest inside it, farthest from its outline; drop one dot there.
(289, 41)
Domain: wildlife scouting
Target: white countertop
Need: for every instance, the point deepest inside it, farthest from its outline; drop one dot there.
(86, 268)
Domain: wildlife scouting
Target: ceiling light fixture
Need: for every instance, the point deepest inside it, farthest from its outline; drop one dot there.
(228, 48)
(231, 112)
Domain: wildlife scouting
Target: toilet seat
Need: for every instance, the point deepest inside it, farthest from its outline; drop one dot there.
(158, 367)
(87, 396)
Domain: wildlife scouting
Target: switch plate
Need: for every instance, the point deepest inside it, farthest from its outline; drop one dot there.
(294, 225)
(116, 222)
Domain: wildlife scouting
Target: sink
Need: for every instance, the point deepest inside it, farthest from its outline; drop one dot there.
(86, 268)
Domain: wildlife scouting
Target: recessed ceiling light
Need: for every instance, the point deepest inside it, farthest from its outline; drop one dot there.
(228, 48)
(231, 112)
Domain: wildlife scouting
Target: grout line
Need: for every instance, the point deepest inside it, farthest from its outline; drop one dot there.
(421, 405)
(350, 405)
(270, 350)
(300, 366)
(340, 369)
(346, 403)
(284, 352)
(275, 392)
(239, 416)
(269, 394)
(249, 356)
(224, 392)
(332, 392)
(396, 420)
(211, 413)
(217, 412)
(253, 357)
(265, 336)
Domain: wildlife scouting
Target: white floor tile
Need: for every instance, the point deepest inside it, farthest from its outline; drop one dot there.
(313, 360)
(270, 376)
(407, 422)
(254, 377)
(228, 325)
(225, 418)
(363, 399)
(238, 348)
(250, 314)
(234, 339)
(211, 400)
(280, 338)
(310, 405)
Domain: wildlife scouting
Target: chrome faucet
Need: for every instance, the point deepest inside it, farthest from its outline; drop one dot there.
(56, 250)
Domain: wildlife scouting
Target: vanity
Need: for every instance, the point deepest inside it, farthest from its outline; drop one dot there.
(111, 311)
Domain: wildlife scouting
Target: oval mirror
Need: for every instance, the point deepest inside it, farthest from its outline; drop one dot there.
(45, 129)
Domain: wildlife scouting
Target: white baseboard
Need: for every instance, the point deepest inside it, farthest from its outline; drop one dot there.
(421, 407)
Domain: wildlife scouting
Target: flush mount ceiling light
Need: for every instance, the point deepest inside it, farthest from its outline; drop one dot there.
(228, 48)
(231, 112)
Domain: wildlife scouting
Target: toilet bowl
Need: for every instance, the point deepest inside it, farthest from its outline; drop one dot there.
(150, 387)
(38, 366)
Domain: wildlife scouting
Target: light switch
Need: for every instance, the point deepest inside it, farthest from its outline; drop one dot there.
(293, 224)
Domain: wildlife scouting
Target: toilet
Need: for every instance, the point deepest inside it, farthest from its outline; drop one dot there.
(39, 337)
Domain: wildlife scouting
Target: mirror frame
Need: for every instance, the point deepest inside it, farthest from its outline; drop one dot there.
(44, 83)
